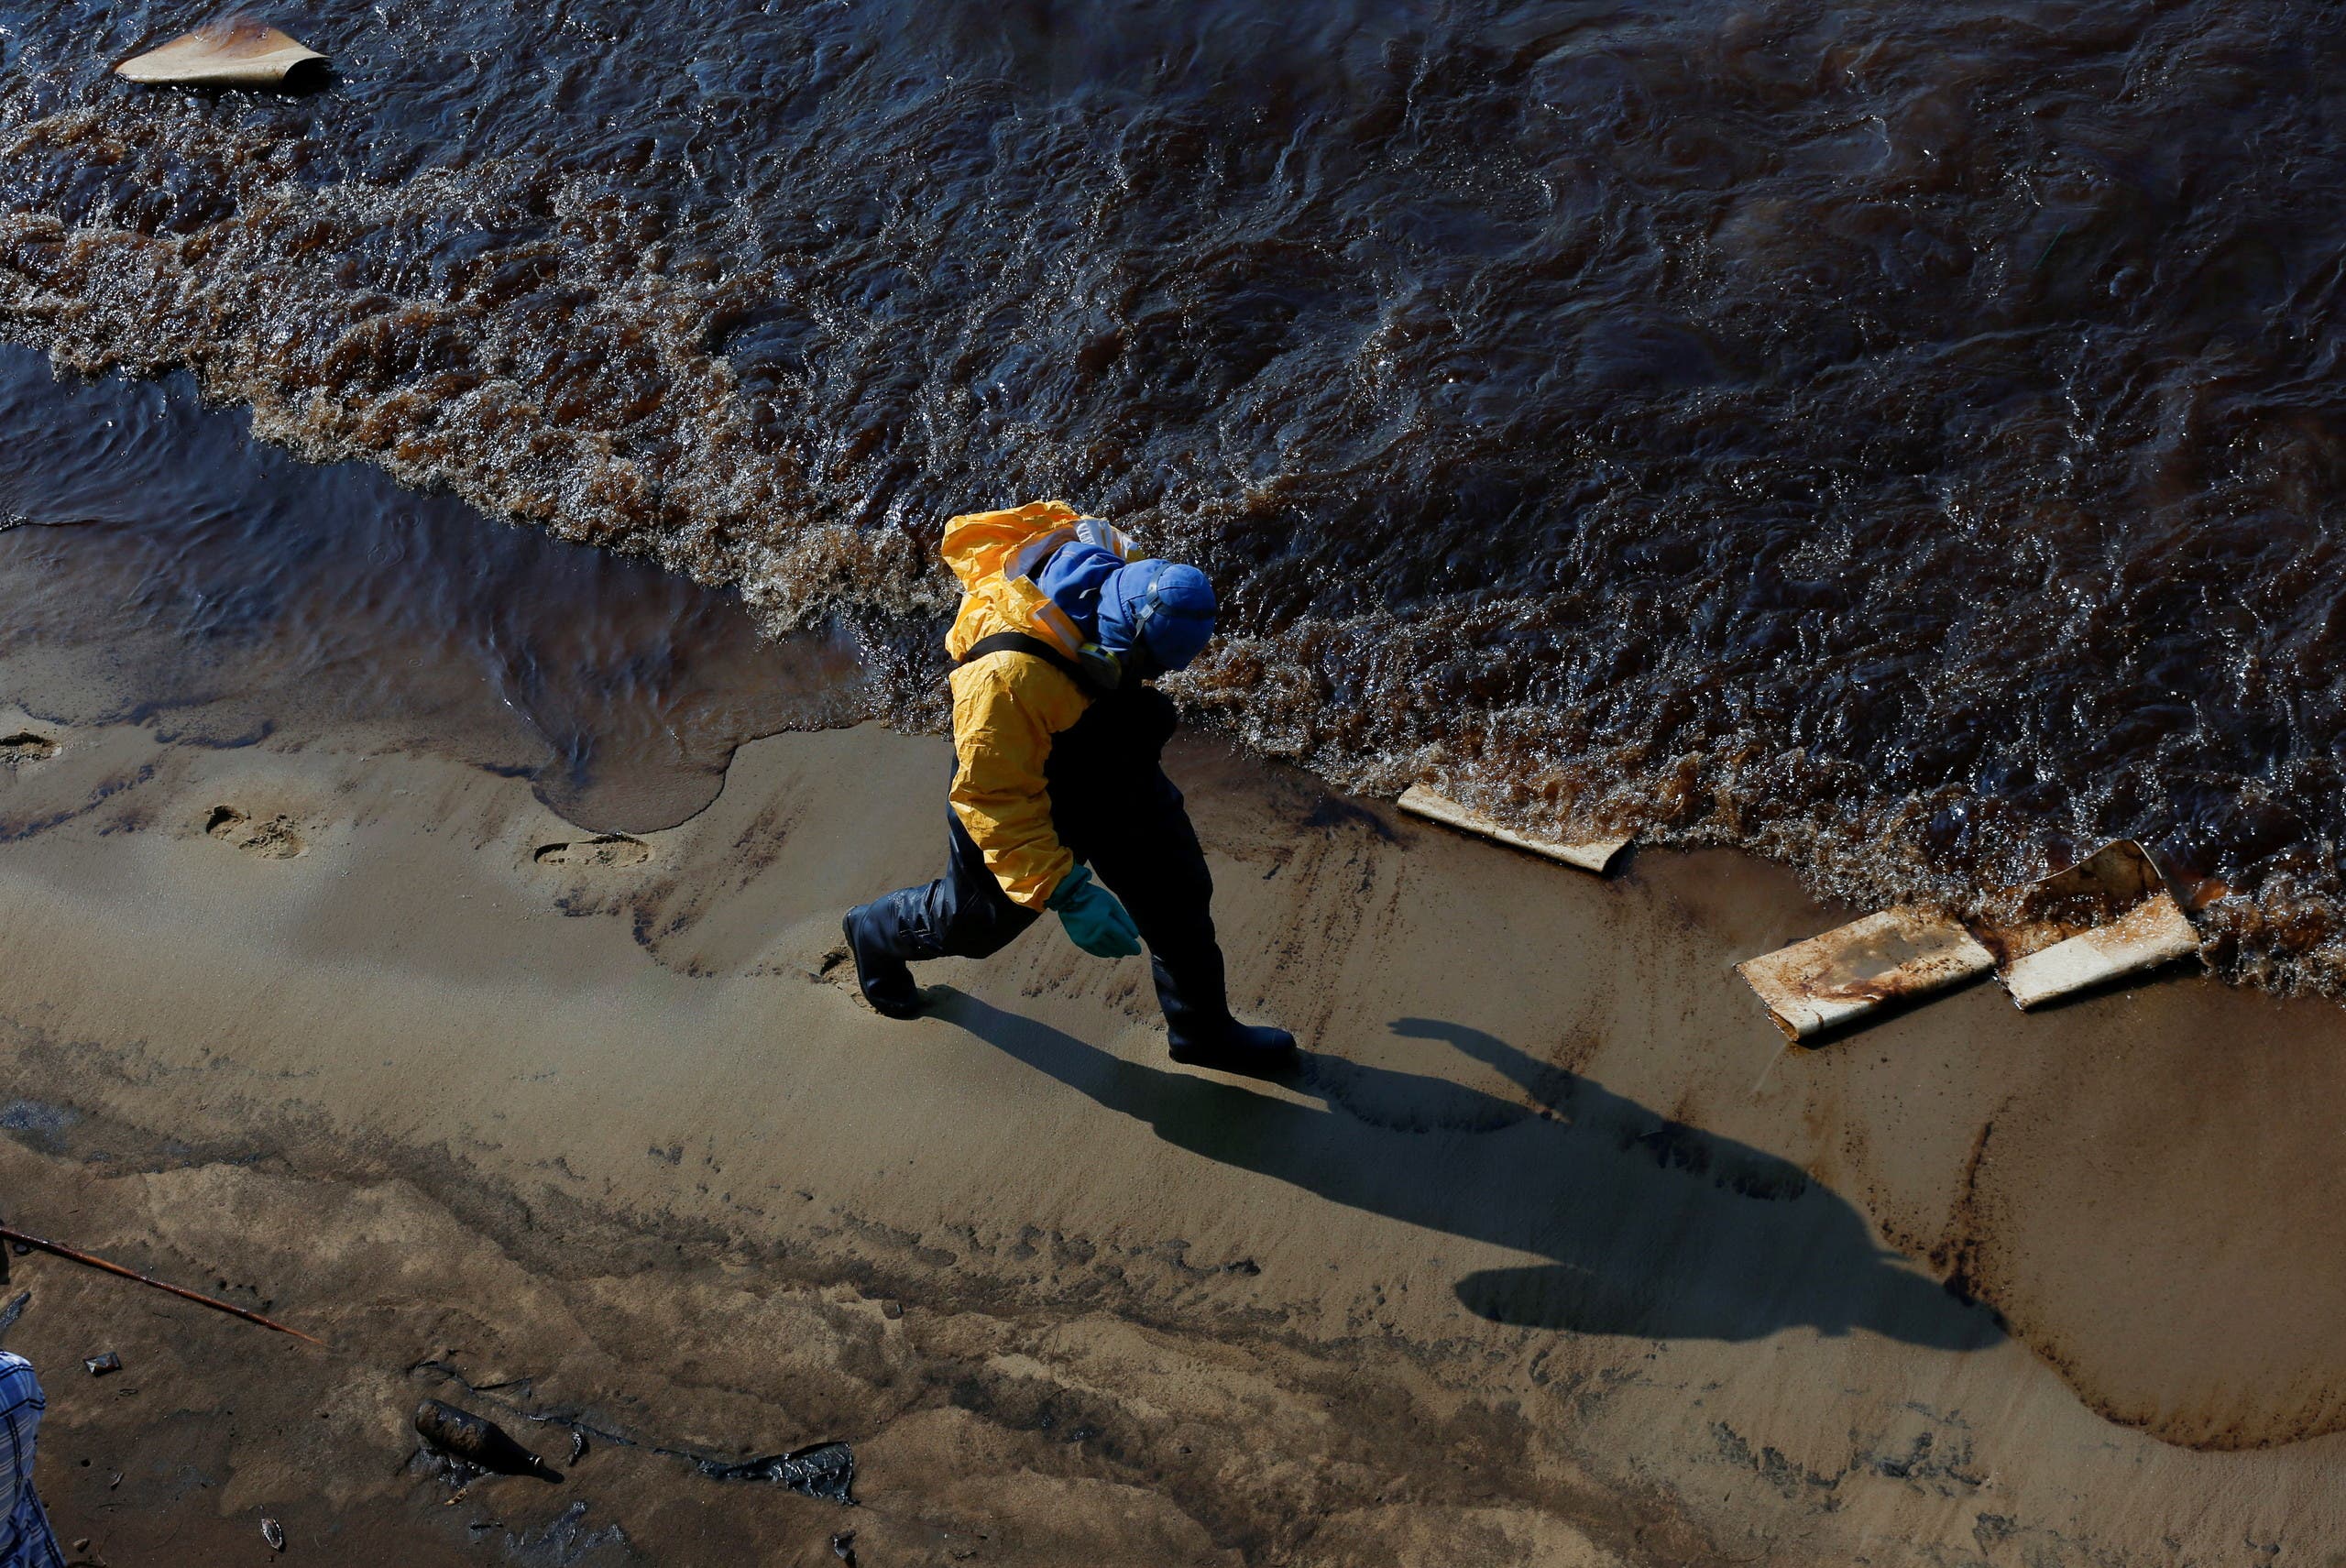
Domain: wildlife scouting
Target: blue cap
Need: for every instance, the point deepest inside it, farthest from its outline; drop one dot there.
(1163, 606)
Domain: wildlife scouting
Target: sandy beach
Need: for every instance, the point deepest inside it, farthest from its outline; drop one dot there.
(479, 519)
(1552, 1256)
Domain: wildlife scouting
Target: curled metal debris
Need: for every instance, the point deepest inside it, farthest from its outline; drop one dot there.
(1588, 854)
(826, 1470)
(1896, 955)
(470, 1442)
(2106, 918)
(239, 53)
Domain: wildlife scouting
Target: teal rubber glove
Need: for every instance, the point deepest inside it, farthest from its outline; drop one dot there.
(1094, 920)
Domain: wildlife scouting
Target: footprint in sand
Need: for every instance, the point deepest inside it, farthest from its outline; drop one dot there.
(837, 967)
(611, 849)
(17, 750)
(271, 840)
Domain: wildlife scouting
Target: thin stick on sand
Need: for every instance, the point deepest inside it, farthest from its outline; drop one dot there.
(72, 1255)
(1771, 1068)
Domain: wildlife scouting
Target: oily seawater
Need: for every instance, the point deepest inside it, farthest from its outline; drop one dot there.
(1899, 439)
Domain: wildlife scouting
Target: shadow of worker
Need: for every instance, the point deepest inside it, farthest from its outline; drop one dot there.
(1650, 1228)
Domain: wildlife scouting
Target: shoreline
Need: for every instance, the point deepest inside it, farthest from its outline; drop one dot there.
(863, 660)
(1575, 1258)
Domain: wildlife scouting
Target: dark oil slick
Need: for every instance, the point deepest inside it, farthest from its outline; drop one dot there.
(1900, 438)
(157, 566)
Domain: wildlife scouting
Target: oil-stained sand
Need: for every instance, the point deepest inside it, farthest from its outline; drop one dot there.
(1548, 1257)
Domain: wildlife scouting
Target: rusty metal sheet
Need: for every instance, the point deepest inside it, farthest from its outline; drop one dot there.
(1588, 854)
(2095, 892)
(242, 54)
(2107, 916)
(1897, 955)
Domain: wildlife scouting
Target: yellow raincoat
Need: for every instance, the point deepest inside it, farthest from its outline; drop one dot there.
(1007, 707)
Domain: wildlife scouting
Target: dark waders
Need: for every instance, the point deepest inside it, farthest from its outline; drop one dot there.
(1114, 809)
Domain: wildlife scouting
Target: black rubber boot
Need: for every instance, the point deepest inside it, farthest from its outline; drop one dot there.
(882, 976)
(1252, 1051)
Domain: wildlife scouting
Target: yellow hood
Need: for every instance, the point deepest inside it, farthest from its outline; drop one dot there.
(994, 555)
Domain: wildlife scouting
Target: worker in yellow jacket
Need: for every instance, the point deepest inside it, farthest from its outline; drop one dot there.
(1057, 738)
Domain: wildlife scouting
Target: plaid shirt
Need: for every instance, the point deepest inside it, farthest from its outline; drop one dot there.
(26, 1540)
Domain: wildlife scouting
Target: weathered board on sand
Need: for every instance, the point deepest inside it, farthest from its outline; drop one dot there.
(1896, 955)
(1588, 854)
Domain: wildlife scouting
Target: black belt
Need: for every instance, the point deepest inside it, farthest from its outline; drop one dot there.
(1034, 647)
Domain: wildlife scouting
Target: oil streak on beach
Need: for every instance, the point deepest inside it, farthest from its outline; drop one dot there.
(1900, 440)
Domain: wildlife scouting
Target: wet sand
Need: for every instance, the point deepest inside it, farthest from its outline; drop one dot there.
(1552, 1254)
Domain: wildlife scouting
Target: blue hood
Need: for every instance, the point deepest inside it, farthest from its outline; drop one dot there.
(1163, 606)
